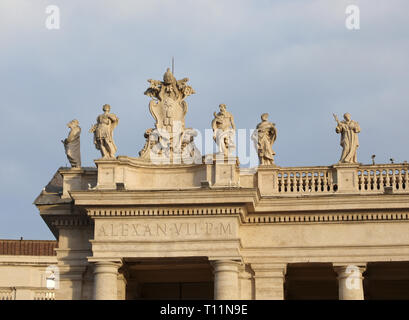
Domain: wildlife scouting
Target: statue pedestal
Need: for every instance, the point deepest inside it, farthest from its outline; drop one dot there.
(72, 180)
(222, 171)
(346, 177)
(267, 179)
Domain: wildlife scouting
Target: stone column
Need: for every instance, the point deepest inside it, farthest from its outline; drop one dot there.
(226, 279)
(69, 286)
(350, 281)
(106, 280)
(246, 283)
(122, 283)
(269, 280)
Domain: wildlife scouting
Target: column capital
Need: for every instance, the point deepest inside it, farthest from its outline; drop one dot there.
(269, 270)
(350, 280)
(225, 265)
(106, 267)
(346, 269)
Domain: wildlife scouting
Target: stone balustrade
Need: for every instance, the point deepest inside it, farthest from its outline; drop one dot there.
(270, 180)
(44, 295)
(305, 180)
(360, 179)
(7, 294)
(383, 178)
(12, 294)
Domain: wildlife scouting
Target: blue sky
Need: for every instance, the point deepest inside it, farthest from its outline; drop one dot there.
(293, 59)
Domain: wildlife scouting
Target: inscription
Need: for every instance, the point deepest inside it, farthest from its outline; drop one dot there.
(154, 230)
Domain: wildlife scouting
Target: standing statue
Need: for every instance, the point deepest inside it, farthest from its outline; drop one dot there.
(72, 144)
(224, 131)
(349, 130)
(103, 132)
(264, 137)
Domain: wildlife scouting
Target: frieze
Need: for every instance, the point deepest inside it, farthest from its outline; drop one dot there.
(173, 229)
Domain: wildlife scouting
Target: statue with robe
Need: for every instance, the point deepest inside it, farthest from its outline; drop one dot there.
(264, 137)
(224, 131)
(72, 144)
(349, 130)
(103, 133)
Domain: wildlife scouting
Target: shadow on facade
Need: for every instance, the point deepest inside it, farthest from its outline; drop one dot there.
(177, 279)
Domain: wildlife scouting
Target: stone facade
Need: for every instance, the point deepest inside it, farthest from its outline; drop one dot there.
(23, 269)
(157, 227)
(131, 230)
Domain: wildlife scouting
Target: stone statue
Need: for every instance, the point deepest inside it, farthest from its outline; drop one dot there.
(103, 132)
(169, 140)
(190, 153)
(223, 131)
(72, 144)
(168, 106)
(264, 137)
(349, 130)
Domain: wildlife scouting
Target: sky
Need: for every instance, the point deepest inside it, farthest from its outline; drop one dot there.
(295, 60)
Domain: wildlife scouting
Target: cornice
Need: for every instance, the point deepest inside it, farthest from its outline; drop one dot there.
(96, 212)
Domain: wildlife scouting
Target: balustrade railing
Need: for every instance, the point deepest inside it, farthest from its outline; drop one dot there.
(306, 180)
(44, 295)
(377, 178)
(6, 294)
(382, 178)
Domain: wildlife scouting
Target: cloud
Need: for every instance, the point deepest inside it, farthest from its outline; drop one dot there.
(293, 59)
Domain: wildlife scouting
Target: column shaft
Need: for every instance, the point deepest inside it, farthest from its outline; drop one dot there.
(226, 279)
(350, 282)
(106, 280)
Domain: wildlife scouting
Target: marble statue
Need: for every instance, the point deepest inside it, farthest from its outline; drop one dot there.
(72, 144)
(224, 131)
(264, 137)
(190, 153)
(168, 106)
(169, 140)
(349, 130)
(103, 132)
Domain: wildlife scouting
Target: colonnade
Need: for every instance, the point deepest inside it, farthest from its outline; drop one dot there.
(269, 280)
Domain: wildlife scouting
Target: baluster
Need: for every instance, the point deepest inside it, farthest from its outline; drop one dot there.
(399, 180)
(325, 181)
(372, 180)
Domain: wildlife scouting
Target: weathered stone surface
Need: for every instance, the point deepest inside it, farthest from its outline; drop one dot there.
(349, 130)
(104, 133)
(224, 131)
(170, 142)
(72, 144)
(264, 137)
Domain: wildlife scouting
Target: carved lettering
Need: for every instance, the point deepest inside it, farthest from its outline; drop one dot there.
(135, 229)
(102, 231)
(225, 229)
(149, 230)
(161, 228)
(113, 231)
(124, 230)
(209, 227)
(178, 229)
